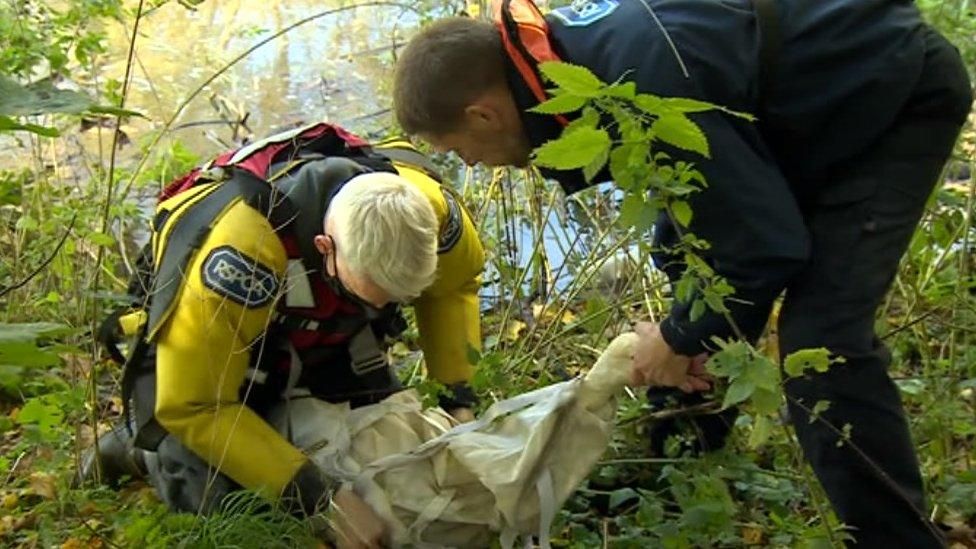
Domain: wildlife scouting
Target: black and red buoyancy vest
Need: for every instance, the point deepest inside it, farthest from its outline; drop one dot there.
(305, 167)
(318, 340)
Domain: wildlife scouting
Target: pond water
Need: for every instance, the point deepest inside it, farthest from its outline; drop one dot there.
(338, 67)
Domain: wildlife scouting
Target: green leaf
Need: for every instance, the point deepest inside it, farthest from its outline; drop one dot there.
(573, 150)
(819, 408)
(678, 130)
(625, 161)
(118, 111)
(27, 353)
(101, 239)
(473, 354)
(911, 387)
(651, 104)
(628, 127)
(685, 287)
(714, 300)
(589, 118)
(739, 114)
(595, 314)
(766, 401)
(622, 495)
(761, 430)
(20, 100)
(572, 78)
(698, 264)
(967, 384)
(636, 212)
(805, 359)
(40, 412)
(623, 90)
(697, 310)
(650, 513)
(630, 210)
(682, 212)
(763, 371)
(562, 103)
(26, 223)
(684, 104)
(31, 331)
(731, 359)
(592, 169)
(8, 124)
(845, 435)
(739, 391)
(11, 377)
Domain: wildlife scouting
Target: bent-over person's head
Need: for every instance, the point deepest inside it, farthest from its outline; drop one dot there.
(380, 240)
(451, 91)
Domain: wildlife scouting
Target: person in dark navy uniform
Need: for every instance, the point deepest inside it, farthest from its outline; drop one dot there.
(859, 105)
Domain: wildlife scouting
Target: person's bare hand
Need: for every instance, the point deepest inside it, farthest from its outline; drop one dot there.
(655, 363)
(462, 414)
(355, 523)
(697, 368)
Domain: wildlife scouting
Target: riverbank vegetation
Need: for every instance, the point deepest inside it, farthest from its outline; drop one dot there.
(102, 102)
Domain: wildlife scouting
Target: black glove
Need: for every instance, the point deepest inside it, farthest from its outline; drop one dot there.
(309, 492)
(458, 395)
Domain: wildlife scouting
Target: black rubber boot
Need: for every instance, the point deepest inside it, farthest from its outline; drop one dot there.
(116, 459)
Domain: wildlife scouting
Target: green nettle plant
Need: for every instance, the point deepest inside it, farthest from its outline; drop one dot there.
(622, 129)
(652, 181)
(626, 131)
(71, 216)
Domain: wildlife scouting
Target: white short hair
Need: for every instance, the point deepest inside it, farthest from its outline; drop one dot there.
(386, 229)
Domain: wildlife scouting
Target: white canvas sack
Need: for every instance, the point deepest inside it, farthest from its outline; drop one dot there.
(440, 484)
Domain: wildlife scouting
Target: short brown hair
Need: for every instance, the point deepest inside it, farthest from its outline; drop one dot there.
(444, 69)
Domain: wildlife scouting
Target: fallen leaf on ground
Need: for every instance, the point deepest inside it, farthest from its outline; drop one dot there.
(43, 484)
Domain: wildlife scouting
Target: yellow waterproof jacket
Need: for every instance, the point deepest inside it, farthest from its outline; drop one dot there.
(205, 344)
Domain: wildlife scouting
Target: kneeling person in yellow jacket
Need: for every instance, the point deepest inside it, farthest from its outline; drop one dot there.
(256, 321)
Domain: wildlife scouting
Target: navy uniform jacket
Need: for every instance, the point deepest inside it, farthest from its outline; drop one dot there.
(844, 69)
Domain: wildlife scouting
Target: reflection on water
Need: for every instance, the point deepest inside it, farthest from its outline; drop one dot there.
(338, 68)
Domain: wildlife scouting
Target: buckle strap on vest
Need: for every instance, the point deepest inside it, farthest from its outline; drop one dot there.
(365, 352)
(337, 324)
(410, 157)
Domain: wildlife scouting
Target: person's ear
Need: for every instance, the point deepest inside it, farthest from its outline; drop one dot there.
(323, 244)
(483, 116)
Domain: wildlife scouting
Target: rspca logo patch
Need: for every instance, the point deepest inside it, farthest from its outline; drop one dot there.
(239, 278)
(585, 12)
(453, 225)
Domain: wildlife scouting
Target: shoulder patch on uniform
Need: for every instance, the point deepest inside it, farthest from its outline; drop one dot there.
(581, 13)
(453, 225)
(239, 278)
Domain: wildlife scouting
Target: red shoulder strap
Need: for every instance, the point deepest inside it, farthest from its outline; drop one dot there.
(258, 156)
(525, 35)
